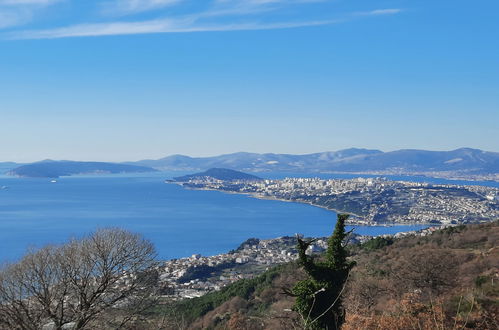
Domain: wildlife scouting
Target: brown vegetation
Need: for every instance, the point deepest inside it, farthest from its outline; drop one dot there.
(448, 280)
(101, 281)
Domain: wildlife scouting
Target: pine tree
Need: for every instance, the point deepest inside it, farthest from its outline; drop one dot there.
(318, 298)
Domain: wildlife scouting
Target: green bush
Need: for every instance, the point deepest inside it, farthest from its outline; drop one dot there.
(377, 243)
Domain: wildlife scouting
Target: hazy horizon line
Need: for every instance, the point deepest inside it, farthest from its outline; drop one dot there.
(240, 152)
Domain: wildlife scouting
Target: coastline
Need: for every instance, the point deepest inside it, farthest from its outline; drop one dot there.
(350, 222)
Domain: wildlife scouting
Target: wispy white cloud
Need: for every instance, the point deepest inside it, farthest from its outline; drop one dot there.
(262, 2)
(156, 26)
(217, 15)
(379, 12)
(27, 2)
(12, 18)
(249, 7)
(19, 12)
(136, 6)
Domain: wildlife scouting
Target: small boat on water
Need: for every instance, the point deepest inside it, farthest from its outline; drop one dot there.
(53, 181)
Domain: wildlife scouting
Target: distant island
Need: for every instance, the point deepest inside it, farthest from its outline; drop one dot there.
(463, 163)
(222, 174)
(55, 169)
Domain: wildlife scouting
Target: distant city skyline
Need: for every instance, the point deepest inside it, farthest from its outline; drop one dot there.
(124, 80)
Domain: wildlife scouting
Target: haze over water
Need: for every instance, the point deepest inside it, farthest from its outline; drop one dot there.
(179, 222)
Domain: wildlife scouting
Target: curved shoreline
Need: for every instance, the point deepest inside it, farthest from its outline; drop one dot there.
(349, 222)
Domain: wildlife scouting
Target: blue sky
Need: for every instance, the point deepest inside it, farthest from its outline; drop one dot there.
(132, 79)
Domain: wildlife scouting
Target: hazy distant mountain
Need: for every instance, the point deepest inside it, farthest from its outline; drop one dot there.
(7, 166)
(219, 174)
(254, 161)
(55, 169)
(465, 160)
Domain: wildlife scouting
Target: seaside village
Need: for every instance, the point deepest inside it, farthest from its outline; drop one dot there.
(197, 275)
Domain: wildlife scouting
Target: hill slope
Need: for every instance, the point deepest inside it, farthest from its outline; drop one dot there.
(219, 174)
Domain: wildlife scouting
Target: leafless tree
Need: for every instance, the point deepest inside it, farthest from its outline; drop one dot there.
(430, 270)
(104, 278)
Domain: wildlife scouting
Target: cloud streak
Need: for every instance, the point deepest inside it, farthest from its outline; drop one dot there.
(157, 26)
(218, 15)
(380, 12)
(12, 18)
(27, 2)
(19, 12)
(137, 6)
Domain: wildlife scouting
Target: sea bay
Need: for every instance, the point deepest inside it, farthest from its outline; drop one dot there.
(180, 222)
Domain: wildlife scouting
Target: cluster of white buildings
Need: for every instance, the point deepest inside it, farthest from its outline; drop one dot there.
(377, 200)
(260, 256)
(246, 262)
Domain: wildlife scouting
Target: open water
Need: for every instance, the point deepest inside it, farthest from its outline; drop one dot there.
(180, 222)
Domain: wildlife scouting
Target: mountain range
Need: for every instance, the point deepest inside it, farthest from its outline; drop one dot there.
(464, 160)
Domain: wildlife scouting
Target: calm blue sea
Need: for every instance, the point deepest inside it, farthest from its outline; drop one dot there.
(180, 222)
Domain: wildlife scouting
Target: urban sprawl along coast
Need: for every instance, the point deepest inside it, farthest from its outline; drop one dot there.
(370, 201)
(373, 201)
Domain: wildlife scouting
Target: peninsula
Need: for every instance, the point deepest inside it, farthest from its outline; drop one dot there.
(371, 201)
